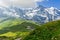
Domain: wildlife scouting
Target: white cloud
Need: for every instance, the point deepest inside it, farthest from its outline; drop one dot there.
(21, 3)
(40, 0)
(11, 14)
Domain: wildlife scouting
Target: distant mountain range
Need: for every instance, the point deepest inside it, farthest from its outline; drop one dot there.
(38, 14)
(22, 23)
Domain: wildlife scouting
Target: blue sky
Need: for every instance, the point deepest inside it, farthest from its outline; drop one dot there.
(50, 3)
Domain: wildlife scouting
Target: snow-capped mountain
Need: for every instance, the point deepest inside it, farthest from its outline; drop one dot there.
(39, 14)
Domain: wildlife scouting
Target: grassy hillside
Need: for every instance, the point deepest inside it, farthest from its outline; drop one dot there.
(12, 29)
(48, 31)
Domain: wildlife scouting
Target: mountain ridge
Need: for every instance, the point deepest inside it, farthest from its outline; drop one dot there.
(15, 28)
(48, 31)
(39, 14)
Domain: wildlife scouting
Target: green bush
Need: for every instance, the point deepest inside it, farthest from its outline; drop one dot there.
(48, 31)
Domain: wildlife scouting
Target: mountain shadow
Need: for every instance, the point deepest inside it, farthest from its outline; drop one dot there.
(19, 27)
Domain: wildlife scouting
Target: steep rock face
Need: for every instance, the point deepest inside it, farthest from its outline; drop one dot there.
(39, 14)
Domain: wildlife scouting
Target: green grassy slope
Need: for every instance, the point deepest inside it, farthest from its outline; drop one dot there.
(12, 29)
(48, 31)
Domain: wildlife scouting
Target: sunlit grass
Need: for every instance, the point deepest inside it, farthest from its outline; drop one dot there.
(16, 28)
